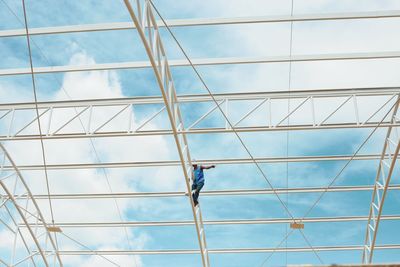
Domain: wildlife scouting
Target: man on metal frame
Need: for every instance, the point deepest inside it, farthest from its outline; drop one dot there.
(198, 180)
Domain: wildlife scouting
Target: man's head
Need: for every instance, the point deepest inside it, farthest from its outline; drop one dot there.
(194, 164)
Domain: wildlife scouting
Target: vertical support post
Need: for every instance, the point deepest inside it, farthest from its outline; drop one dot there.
(313, 111)
(49, 121)
(356, 113)
(89, 120)
(11, 122)
(269, 104)
(130, 118)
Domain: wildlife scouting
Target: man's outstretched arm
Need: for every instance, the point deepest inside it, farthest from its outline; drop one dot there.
(207, 167)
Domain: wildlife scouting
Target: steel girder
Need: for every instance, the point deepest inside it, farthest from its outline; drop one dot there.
(312, 109)
(147, 28)
(233, 192)
(223, 250)
(386, 166)
(18, 207)
(136, 164)
(202, 22)
(218, 222)
(205, 62)
(247, 95)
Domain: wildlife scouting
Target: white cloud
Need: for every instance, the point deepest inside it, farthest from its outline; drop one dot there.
(101, 84)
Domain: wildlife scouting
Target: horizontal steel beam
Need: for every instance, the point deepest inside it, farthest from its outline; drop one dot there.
(202, 22)
(236, 192)
(177, 163)
(217, 222)
(139, 100)
(264, 97)
(204, 62)
(221, 251)
(198, 131)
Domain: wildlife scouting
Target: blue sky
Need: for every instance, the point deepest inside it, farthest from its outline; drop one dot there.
(206, 42)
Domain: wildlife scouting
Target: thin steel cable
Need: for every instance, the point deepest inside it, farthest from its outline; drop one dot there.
(278, 246)
(327, 188)
(115, 200)
(255, 162)
(288, 133)
(228, 121)
(285, 239)
(288, 118)
(91, 250)
(348, 162)
(222, 112)
(80, 120)
(311, 246)
(38, 118)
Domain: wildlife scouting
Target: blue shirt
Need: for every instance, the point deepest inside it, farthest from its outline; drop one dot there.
(198, 175)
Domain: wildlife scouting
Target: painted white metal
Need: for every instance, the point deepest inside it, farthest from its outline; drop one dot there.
(21, 208)
(136, 164)
(255, 95)
(222, 251)
(202, 22)
(234, 192)
(386, 166)
(147, 28)
(211, 130)
(306, 109)
(204, 62)
(218, 222)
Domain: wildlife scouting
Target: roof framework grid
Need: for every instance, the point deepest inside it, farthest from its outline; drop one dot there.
(24, 218)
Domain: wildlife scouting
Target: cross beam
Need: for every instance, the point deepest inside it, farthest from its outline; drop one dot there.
(202, 22)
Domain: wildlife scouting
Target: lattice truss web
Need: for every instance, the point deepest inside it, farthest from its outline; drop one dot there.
(105, 105)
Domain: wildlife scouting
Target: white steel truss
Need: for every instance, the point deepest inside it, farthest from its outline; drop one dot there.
(248, 95)
(308, 107)
(147, 28)
(18, 208)
(386, 166)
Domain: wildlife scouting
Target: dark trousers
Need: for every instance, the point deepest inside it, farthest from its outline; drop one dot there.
(197, 187)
